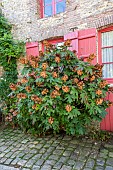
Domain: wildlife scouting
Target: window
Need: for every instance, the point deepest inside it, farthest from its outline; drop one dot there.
(106, 48)
(57, 42)
(52, 7)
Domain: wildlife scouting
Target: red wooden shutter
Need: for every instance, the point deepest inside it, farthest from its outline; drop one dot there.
(84, 42)
(32, 49)
(87, 43)
(73, 36)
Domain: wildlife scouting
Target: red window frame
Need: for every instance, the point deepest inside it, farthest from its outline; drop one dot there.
(54, 2)
(54, 41)
(110, 80)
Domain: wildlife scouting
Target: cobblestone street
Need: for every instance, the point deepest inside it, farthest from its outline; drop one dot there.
(19, 151)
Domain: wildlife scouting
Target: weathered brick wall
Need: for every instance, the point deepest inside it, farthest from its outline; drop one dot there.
(19, 14)
(79, 14)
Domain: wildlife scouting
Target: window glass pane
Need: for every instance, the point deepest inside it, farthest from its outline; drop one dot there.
(107, 55)
(107, 39)
(108, 71)
(48, 11)
(60, 7)
(47, 2)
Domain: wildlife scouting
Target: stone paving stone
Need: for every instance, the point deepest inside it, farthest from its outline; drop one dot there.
(84, 152)
(14, 162)
(35, 167)
(78, 165)
(8, 161)
(60, 147)
(45, 155)
(83, 144)
(102, 155)
(46, 167)
(40, 162)
(58, 152)
(105, 151)
(90, 163)
(71, 145)
(50, 162)
(109, 161)
(108, 146)
(67, 138)
(74, 155)
(8, 154)
(25, 152)
(63, 159)
(42, 150)
(39, 146)
(64, 167)
(82, 158)
(74, 141)
(3, 167)
(6, 150)
(3, 148)
(86, 168)
(54, 157)
(111, 154)
(51, 149)
(36, 157)
(108, 168)
(88, 145)
(99, 168)
(46, 145)
(67, 153)
(34, 151)
(21, 154)
(22, 162)
(100, 161)
(70, 162)
(25, 141)
(2, 154)
(69, 149)
(30, 163)
(58, 165)
(3, 160)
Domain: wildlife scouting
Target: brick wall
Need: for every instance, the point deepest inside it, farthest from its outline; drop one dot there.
(79, 14)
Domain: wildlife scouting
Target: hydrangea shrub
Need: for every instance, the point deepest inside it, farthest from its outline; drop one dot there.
(58, 91)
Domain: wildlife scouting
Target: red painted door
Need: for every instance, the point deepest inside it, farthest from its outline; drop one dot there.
(32, 49)
(105, 53)
(107, 122)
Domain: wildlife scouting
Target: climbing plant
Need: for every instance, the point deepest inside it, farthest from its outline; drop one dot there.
(10, 51)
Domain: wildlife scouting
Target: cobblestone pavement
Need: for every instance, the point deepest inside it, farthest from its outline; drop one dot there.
(19, 151)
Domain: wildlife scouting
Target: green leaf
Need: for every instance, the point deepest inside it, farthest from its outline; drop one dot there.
(74, 113)
(103, 113)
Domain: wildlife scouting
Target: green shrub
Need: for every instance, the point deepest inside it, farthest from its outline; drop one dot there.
(59, 92)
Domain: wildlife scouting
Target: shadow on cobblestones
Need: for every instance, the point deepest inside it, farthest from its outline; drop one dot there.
(19, 151)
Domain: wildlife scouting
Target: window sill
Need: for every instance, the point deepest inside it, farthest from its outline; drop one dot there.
(53, 16)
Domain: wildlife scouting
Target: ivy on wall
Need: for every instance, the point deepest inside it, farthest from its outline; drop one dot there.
(10, 51)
